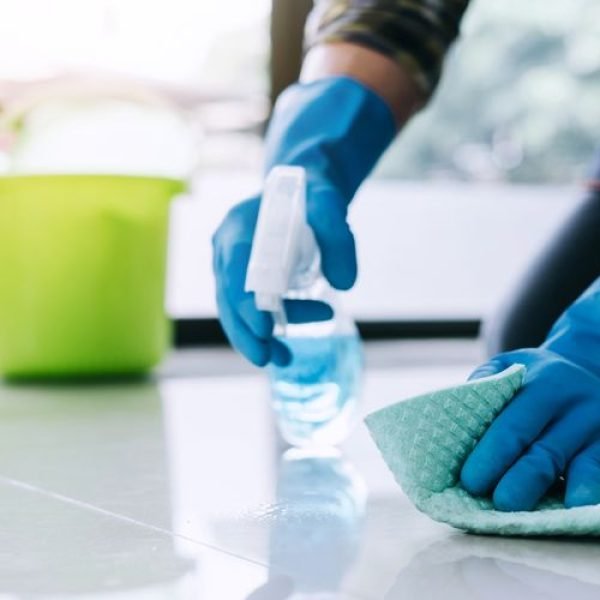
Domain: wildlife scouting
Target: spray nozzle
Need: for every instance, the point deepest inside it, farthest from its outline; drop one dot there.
(283, 242)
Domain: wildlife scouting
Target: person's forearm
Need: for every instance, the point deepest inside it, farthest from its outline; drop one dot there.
(387, 78)
(396, 47)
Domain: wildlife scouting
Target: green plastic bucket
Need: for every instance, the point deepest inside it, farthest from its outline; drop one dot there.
(82, 274)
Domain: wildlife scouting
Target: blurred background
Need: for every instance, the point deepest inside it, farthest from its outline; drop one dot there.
(458, 207)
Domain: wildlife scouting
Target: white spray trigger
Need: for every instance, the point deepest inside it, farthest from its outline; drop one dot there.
(283, 241)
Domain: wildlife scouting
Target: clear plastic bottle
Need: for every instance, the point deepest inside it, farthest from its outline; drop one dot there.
(315, 397)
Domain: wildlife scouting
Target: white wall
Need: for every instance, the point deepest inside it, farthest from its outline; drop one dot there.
(426, 250)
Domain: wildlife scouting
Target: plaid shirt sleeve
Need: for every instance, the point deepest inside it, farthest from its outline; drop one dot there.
(416, 33)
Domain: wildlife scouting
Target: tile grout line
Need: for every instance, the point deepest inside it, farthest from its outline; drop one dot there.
(102, 511)
(86, 506)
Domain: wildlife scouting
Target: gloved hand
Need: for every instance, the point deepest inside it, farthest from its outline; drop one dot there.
(336, 129)
(551, 429)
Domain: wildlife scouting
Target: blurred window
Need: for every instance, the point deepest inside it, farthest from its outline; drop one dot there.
(519, 101)
(185, 42)
(209, 57)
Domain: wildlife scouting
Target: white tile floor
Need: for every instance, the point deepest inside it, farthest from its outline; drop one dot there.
(177, 488)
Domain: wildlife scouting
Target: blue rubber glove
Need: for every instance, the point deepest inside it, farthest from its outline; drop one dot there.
(551, 429)
(336, 129)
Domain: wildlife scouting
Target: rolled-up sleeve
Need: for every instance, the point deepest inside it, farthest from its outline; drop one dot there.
(416, 33)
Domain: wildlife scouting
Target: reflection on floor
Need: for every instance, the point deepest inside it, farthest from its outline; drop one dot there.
(179, 487)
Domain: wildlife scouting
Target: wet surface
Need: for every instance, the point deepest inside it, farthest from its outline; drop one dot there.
(181, 488)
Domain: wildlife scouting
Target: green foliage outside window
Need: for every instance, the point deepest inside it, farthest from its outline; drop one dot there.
(519, 100)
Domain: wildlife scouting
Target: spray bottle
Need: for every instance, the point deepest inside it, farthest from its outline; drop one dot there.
(315, 397)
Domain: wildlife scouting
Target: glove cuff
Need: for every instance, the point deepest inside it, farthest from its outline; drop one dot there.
(336, 128)
(576, 334)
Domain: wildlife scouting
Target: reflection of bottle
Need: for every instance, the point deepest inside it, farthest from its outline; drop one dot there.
(316, 525)
(315, 397)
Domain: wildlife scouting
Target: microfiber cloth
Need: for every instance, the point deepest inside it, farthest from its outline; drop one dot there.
(426, 440)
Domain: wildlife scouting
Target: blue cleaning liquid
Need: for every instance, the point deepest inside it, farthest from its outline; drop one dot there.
(315, 397)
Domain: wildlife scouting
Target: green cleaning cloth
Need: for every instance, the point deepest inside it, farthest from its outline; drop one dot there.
(426, 440)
